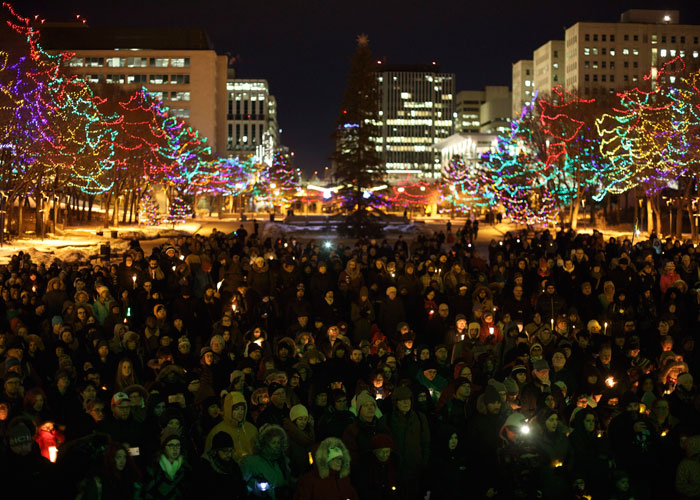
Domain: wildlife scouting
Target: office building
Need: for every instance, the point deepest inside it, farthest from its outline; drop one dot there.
(416, 110)
(468, 107)
(178, 65)
(470, 147)
(251, 121)
(549, 66)
(606, 57)
(494, 112)
(523, 86)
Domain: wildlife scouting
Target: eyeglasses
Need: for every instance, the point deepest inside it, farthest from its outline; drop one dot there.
(173, 446)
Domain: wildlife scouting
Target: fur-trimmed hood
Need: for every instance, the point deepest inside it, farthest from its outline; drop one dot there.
(321, 457)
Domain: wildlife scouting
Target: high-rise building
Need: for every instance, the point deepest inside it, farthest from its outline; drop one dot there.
(523, 85)
(468, 106)
(605, 57)
(549, 66)
(251, 120)
(494, 112)
(416, 110)
(178, 65)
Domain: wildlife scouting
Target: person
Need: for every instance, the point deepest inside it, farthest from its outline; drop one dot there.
(266, 472)
(411, 433)
(169, 475)
(26, 471)
(119, 477)
(217, 474)
(234, 423)
(330, 477)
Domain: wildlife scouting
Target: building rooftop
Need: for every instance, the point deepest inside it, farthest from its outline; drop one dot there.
(62, 37)
(414, 68)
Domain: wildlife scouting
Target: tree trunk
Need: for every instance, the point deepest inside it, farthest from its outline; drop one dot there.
(574, 214)
(650, 216)
(91, 201)
(115, 213)
(107, 203)
(20, 225)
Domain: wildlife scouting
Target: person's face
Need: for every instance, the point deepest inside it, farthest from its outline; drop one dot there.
(367, 411)
(518, 292)
(443, 311)
(453, 442)
(543, 374)
(520, 377)
(403, 405)
(356, 356)
(430, 374)
(238, 412)
(89, 393)
(121, 411)
(391, 293)
(341, 404)
(558, 360)
(662, 409)
(279, 398)
(126, 369)
(441, 355)
(552, 422)
(378, 381)
(120, 460)
(332, 333)
(461, 324)
(302, 422)
(464, 391)
(217, 346)
(494, 408)
(382, 454)
(322, 399)
(605, 355)
(172, 450)
(663, 327)
(589, 423)
(623, 484)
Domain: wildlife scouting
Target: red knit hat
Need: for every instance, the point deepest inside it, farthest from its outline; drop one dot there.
(382, 441)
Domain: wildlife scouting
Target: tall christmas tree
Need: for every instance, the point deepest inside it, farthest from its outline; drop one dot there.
(358, 167)
(357, 164)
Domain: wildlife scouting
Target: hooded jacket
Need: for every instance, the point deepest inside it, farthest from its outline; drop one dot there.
(322, 483)
(243, 434)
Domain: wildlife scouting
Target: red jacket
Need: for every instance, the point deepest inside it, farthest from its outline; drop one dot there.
(312, 487)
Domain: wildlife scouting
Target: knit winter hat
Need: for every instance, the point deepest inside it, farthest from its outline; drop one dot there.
(381, 441)
(221, 440)
(460, 317)
(298, 411)
(518, 369)
(540, 364)
(274, 386)
(56, 320)
(491, 395)
(168, 435)
(402, 392)
(364, 398)
(19, 434)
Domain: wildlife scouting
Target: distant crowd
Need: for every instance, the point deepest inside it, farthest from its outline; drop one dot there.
(556, 366)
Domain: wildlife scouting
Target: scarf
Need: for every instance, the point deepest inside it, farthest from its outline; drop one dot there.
(170, 468)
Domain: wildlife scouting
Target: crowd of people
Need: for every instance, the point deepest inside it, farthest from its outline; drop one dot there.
(558, 366)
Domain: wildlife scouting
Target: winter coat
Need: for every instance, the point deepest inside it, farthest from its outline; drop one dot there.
(159, 485)
(301, 443)
(217, 479)
(412, 437)
(265, 466)
(321, 483)
(688, 471)
(358, 436)
(243, 434)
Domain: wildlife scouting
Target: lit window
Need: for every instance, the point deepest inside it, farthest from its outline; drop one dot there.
(94, 62)
(179, 96)
(612, 52)
(405, 95)
(663, 52)
(136, 79)
(672, 52)
(625, 52)
(695, 54)
(180, 79)
(158, 79)
(115, 79)
(115, 62)
(159, 62)
(635, 52)
(180, 62)
(185, 113)
(95, 78)
(595, 51)
(672, 79)
(137, 62)
(586, 51)
(75, 62)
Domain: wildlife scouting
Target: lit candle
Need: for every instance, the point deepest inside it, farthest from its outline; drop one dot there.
(490, 330)
(218, 285)
(552, 322)
(173, 268)
(605, 326)
(53, 453)
(233, 306)
(610, 382)
(182, 257)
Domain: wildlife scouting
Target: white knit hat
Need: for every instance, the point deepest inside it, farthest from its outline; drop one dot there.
(298, 411)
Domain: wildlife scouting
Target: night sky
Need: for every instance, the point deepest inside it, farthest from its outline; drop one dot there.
(303, 48)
